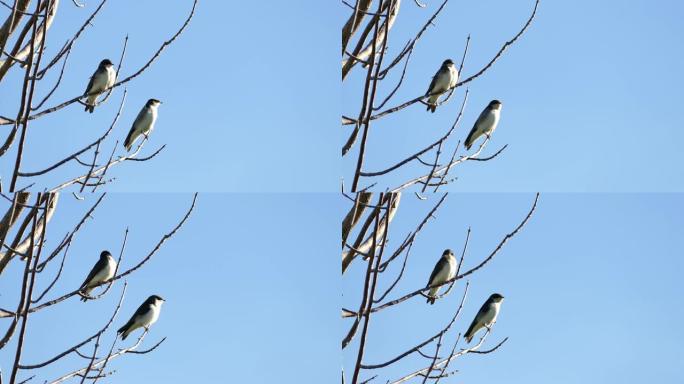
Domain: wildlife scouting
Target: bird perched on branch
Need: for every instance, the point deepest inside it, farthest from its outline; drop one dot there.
(102, 271)
(146, 315)
(445, 269)
(144, 123)
(103, 78)
(486, 316)
(485, 124)
(445, 79)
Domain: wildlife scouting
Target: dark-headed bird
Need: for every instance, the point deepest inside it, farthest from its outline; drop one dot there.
(445, 269)
(102, 271)
(146, 315)
(143, 124)
(445, 79)
(485, 124)
(103, 78)
(486, 317)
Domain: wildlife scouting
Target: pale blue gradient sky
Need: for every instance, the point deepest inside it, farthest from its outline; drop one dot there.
(590, 95)
(250, 285)
(592, 287)
(250, 92)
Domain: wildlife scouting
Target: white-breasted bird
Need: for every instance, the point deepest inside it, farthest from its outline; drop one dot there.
(444, 270)
(485, 124)
(445, 79)
(102, 271)
(146, 315)
(486, 316)
(144, 123)
(103, 78)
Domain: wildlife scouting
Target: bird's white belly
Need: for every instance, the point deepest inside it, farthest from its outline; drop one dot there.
(111, 77)
(454, 76)
(149, 318)
(446, 273)
(99, 84)
(452, 269)
(442, 83)
(490, 316)
(105, 274)
(144, 124)
(490, 123)
(443, 275)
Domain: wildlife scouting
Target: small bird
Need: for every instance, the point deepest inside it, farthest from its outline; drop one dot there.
(485, 124)
(146, 315)
(103, 78)
(144, 123)
(445, 79)
(445, 269)
(486, 316)
(102, 271)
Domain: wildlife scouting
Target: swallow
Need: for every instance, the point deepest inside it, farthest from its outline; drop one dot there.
(146, 315)
(486, 316)
(102, 271)
(444, 270)
(445, 79)
(485, 124)
(103, 78)
(144, 123)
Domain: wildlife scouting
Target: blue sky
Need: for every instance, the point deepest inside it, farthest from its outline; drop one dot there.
(251, 104)
(591, 286)
(249, 96)
(237, 266)
(590, 95)
(590, 101)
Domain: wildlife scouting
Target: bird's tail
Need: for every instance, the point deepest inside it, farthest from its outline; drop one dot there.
(124, 331)
(432, 103)
(90, 108)
(469, 140)
(84, 291)
(432, 295)
(129, 140)
(469, 333)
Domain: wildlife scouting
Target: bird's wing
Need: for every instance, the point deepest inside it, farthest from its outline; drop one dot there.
(441, 264)
(480, 313)
(434, 81)
(142, 309)
(471, 329)
(471, 136)
(139, 118)
(480, 119)
(101, 264)
(483, 116)
(90, 83)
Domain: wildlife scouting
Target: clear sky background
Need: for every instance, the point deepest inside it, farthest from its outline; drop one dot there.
(251, 104)
(591, 94)
(250, 95)
(592, 288)
(239, 307)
